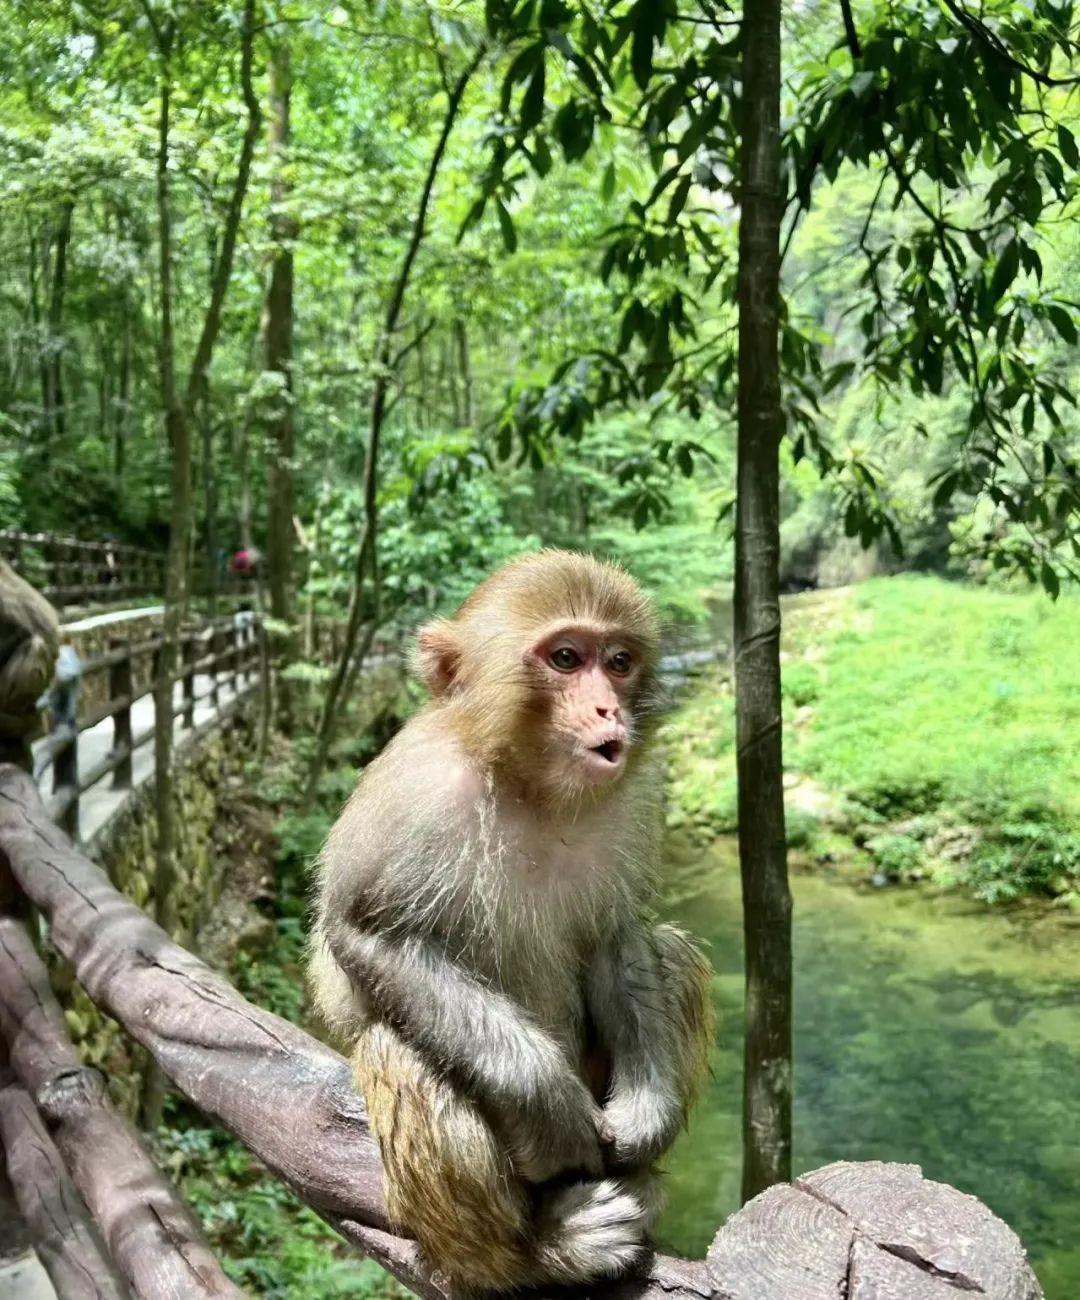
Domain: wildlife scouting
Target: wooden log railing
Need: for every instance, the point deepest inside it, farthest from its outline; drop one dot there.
(69, 571)
(227, 651)
(72, 572)
(852, 1231)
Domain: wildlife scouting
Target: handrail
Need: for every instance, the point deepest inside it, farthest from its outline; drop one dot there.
(236, 647)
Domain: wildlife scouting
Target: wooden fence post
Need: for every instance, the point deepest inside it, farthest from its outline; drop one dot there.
(215, 654)
(233, 633)
(188, 653)
(121, 687)
(63, 706)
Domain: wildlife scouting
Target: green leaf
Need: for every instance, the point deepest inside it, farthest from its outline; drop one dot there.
(1050, 581)
(1067, 146)
(506, 225)
(678, 199)
(1005, 271)
(607, 185)
(1062, 322)
(532, 102)
(647, 22)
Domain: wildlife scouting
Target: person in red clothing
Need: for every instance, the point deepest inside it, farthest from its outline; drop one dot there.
(243, 562)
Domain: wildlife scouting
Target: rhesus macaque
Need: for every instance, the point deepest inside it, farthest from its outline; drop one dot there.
(29, 636)
(527, 1039)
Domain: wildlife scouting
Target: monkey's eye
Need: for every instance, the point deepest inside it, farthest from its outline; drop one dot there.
(620, 662)
(565, 659)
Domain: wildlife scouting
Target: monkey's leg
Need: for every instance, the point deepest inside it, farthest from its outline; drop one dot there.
(447, 1180)
(450, 1184)
(688, 1003)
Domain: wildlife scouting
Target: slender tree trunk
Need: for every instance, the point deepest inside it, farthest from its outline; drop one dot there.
(767, 1077)
(178, 442)
(243, 470)
(209, 476)
(461, 335)
(421, 382)
(278, 358)
(448, 379)
(366, 559)
(179, 414)
(52, 373)
(122, 415)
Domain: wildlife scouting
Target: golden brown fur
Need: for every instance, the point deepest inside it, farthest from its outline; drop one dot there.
(526, 1039)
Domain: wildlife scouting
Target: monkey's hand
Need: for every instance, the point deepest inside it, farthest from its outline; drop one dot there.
(562, 1134)
(503, 1059)
(644, 1121)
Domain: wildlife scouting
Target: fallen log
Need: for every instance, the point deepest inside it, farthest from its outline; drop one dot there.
(154, 1239)
(864, 1232)
(60, 1227)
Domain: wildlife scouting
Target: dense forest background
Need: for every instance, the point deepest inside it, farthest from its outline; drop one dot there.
(386, 293)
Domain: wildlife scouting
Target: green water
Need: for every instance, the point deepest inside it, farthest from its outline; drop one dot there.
(927, 1029)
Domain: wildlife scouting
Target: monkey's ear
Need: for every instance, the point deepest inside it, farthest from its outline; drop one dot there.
(438, 655)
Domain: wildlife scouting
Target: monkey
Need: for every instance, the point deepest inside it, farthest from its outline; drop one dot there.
(527, 1038)
(29, 641)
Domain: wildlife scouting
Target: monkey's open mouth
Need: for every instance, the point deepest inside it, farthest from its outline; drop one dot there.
(609, 750)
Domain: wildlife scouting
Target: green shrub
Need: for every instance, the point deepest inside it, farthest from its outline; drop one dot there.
(800, 683)
(897, 855)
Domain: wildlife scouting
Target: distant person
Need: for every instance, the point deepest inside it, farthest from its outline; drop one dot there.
(110, 571)
(243, 562)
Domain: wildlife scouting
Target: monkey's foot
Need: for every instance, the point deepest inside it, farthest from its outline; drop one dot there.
(590, 1231)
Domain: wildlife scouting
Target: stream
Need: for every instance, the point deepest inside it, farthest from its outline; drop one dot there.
(927, 1029)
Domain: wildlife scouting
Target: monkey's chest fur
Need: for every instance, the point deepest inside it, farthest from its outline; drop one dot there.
(524, 904)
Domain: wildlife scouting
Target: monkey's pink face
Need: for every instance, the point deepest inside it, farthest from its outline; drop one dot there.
(590, 675)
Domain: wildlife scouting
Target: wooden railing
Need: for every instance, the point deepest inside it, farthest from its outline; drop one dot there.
(225, 652)
(858, 1231)
(69, 571)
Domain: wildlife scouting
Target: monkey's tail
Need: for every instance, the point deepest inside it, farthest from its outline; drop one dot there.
(589, 1231)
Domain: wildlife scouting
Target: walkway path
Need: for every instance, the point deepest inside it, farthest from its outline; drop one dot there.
(100, 803)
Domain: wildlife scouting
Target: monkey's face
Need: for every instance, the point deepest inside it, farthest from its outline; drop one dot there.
(588, 677)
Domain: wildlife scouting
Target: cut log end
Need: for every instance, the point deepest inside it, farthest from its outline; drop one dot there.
(868, 1231)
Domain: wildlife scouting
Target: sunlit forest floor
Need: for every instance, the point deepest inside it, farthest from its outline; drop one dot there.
(928, 739)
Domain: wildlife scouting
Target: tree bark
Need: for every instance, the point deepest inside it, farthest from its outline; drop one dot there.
(462, 336)
(52, 370)
(209, 476)
(365, 564)
(278, 342)
(767, 1078)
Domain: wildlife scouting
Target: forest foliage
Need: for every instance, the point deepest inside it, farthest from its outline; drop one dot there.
(563, 361)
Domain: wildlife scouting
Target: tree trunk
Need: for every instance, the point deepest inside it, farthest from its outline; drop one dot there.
(122, 414)
(52, 374)
(278, 358)
(209, 477)
(366, 566)
(242, 451)
(462, 337)
(762, 843)
(179, 413)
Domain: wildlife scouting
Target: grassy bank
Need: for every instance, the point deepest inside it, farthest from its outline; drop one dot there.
(931, 725)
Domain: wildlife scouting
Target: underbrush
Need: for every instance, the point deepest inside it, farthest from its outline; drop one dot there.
(940, 720)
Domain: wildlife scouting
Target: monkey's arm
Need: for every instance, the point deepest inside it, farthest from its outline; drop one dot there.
(647, 992)
(515, 1070)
